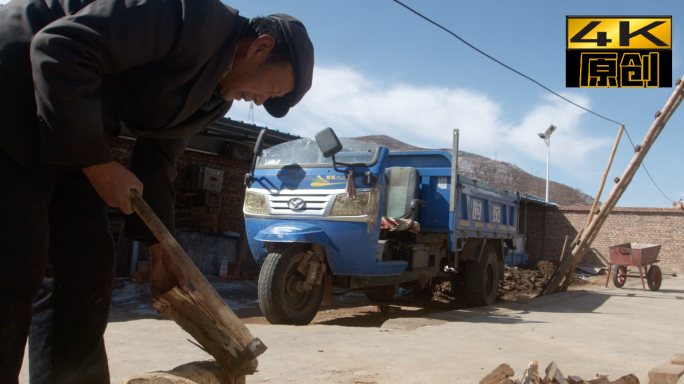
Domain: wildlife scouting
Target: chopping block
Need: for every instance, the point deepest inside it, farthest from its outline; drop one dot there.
(198, 372)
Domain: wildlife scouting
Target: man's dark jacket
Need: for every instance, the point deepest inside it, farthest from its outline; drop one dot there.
(74, 71)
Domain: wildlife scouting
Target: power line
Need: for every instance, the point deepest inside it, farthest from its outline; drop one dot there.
(532, 80)
(643, 165)
(502, 64)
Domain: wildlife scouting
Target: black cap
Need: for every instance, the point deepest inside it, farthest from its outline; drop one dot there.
(302, 57)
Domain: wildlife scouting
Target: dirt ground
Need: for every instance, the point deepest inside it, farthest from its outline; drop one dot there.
(131, 301)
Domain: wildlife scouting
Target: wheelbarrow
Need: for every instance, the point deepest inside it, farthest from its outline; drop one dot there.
(641, 256)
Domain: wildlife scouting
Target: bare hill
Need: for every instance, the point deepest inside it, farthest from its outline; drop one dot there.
(496, 173)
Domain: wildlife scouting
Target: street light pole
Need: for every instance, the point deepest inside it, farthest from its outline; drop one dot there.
(547, 140)
(548, 161)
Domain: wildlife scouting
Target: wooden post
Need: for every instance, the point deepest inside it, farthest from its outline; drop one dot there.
(562, 255)
(252, 346)
(605, 175)
(568, 266)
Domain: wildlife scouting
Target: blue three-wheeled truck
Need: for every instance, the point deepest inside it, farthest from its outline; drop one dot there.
(343, 214)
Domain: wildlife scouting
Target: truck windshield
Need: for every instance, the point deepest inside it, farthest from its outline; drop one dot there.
(305, 153)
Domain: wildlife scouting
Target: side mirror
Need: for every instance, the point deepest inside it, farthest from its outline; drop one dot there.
(258, 150)
(259, 145)
(328, 142)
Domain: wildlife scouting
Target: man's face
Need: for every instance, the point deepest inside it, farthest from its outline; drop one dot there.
(251, 78)
(257, 82)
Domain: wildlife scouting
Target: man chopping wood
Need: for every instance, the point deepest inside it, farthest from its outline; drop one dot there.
(71, 73)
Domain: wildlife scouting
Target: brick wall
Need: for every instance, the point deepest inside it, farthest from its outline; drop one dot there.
(624, 225)
(230, 217)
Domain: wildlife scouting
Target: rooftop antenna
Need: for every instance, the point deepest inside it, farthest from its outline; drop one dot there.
(250, 116)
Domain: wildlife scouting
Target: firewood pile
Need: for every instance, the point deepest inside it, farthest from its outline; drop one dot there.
(503, 374)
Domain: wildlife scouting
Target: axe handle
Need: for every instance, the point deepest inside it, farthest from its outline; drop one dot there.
(252, 346)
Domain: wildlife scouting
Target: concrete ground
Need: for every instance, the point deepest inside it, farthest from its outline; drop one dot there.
(609, 331)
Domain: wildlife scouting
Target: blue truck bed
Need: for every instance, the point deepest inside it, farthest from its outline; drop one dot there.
(480, 211)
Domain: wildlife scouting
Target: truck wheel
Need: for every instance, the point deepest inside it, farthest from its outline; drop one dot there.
(279, 299)
(382, 294)
(482, 279)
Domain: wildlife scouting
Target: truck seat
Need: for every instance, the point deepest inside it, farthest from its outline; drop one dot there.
(401, 199)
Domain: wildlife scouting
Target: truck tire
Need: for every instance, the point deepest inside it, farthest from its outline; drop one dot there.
(279, 300)
(482, 279)
(382, 294)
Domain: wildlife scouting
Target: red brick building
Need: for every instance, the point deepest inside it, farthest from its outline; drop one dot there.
(624, 225)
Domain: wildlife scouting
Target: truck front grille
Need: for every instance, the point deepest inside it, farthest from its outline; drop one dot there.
(313, 204)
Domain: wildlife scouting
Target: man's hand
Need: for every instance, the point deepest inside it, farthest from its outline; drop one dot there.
(113, 182)
(165, 273)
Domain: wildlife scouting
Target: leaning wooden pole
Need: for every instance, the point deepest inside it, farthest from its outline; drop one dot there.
(569, 264)
(623, 182)
(605, 176)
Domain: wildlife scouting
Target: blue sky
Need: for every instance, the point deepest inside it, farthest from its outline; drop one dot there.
(382, 70)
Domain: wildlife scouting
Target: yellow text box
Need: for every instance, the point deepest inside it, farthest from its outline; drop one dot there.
(611, 32)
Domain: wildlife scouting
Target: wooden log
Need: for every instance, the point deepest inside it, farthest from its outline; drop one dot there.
(227, 318)
(498, 375)
(599, 379)
(568, 266)
(628, 379)
(198, 372)
(195, 316)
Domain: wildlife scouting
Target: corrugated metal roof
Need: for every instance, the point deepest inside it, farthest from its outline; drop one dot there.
(233, 130)
(217, 135)
(536, 200)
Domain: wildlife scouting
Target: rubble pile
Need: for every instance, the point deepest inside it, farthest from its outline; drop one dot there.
(503, 374)
(518, 281)
(446, 292)
(528, 280)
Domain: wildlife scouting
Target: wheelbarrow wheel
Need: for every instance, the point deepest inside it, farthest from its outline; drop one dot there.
(619, 276)
(279, 299)
(654, 278)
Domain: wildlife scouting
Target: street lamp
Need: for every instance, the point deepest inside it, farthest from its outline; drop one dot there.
(547, 139)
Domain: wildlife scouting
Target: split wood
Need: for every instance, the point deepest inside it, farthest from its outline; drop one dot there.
(196, 317)
(503, 374)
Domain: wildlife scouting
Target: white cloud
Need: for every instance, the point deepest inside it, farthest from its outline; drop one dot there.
(355, 105)
(2, 2)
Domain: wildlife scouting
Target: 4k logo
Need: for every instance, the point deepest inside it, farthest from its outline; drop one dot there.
(619, 51)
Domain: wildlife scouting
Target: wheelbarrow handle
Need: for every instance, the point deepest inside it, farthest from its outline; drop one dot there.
(253, 347)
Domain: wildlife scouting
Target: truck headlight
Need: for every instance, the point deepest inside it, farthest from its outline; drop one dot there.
(346, 207)
(255, 203)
